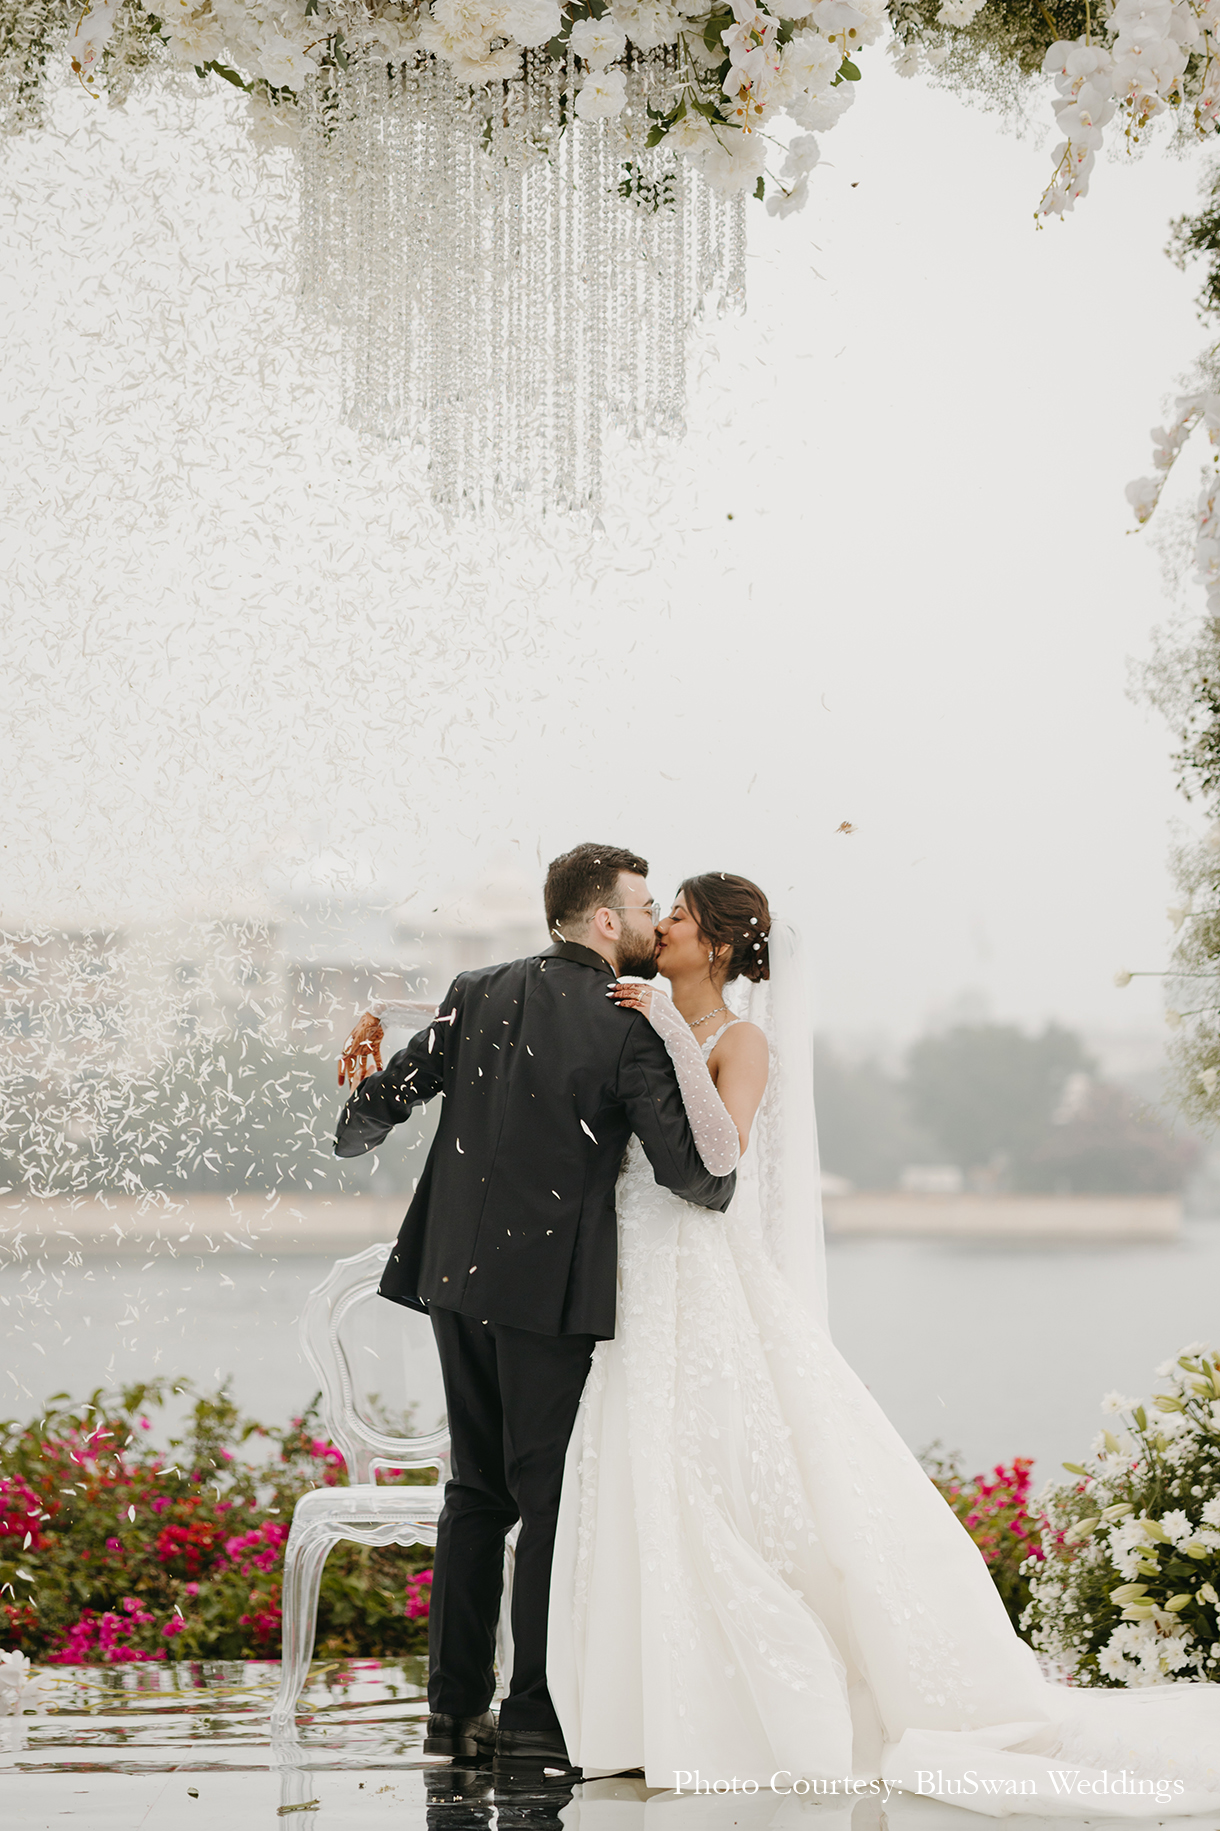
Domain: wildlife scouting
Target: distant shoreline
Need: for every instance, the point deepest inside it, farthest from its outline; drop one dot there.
(123, 1225)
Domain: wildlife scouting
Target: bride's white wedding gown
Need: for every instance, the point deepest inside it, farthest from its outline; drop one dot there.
(754, 1578)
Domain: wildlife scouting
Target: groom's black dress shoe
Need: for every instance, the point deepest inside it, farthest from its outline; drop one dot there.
(533, 1752)
(465, 1738)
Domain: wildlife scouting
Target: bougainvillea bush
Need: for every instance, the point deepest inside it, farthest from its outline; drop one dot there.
(112, 1550)
(1127, 1588)
(995, 1510)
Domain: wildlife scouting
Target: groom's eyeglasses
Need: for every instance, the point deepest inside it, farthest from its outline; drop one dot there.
(653, 909)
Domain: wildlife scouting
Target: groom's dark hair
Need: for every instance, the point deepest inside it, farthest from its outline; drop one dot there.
(581, 880)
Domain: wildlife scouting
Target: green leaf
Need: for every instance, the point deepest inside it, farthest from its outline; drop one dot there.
(849, 70)
(230, 76)
(655, 136)
(759, 189)
(1074, 1468)
(1141, 1418)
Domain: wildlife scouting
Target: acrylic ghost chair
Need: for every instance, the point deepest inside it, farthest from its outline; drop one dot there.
(370, 1514)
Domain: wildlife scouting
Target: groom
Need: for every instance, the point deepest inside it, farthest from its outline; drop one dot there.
(511, 1246)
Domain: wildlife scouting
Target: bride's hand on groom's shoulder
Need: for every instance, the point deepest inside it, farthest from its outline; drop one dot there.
(632, 997)
(361, 1052)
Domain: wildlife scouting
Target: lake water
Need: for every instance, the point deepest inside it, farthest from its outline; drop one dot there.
(997, 1351)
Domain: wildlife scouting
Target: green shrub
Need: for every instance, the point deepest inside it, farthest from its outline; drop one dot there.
(112, 1550)
(1128, 1586)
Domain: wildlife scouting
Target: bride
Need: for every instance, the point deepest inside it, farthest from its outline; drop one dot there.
(754, 1580)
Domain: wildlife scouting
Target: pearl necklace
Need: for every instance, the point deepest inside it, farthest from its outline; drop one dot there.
(694, 1024)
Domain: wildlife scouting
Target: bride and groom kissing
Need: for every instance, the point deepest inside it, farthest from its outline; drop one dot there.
(727, 1559)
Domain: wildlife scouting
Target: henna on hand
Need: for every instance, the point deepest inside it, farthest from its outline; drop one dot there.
(362, 1051)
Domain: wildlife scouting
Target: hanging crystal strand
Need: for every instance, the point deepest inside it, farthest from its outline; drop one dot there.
(492, 188)
(403, 336)
(735, 287)
(593, 143)
(498, 300)
(533, 352)
(525, 356)
(382, 241)
(679, 313)
(569, 176)
(450, 318)
(464, 384)
(410, 208)
(559, 451)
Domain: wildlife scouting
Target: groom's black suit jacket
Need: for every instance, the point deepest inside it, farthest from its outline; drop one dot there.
(545, 1078)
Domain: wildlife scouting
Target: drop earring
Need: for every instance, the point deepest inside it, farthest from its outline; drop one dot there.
(711, 956)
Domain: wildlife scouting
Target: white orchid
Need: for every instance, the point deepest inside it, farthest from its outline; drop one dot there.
(90, 36)
(783, 203)
(278, 48)
(20, 1689)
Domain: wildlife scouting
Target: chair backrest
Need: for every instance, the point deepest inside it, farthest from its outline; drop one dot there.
(351, 1285)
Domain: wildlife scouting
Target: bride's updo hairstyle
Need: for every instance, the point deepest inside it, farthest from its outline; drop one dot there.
(732, 912)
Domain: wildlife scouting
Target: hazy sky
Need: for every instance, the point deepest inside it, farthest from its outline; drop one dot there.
(236, 632)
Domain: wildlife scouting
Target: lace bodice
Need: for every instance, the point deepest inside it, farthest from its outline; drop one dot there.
(710, 1042)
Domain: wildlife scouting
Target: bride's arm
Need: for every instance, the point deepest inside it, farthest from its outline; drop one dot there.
(719, 1116)
(363, 1046)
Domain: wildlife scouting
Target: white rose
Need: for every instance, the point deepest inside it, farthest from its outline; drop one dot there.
(532, 22)
(469, 22)
(269, 124)
(489, 67)
(283, 63)
(820, 112)
(597, 42)
(602, 95)
(803, 154)
(811, 61)
(648, 26)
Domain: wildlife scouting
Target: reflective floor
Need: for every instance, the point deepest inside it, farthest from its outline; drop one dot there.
(147, 1748)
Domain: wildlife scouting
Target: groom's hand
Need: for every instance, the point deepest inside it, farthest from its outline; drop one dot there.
(361, 1052)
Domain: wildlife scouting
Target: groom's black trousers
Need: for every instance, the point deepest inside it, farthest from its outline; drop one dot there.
(512, 1398)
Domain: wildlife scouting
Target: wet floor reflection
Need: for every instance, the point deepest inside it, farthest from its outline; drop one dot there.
(140, 1745)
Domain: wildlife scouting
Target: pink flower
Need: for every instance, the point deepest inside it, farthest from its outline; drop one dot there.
(114, 1544)
(175, 1625)
(419, 1596)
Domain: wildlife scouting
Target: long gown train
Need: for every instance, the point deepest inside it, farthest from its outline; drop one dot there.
(754, 1578)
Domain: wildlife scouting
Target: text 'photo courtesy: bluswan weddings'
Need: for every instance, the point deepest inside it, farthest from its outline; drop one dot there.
(935, 1784)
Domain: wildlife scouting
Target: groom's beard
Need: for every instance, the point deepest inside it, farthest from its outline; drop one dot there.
(636, 954)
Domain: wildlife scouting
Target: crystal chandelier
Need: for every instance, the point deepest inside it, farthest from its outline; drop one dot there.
(509, 281)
